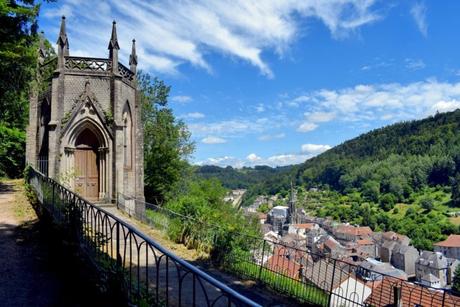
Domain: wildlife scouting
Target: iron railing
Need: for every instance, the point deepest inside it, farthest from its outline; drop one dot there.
(151, 274)
(301, 274)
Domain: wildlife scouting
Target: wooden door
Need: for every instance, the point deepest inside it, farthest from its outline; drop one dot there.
(87, 174)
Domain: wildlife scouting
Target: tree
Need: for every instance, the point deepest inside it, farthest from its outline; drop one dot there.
(455, 185)
(167, 143)
(427, 204)
(456, 280)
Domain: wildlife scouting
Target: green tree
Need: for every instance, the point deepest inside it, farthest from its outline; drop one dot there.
(167, 143)
(456, 280)
(427, 204)
(387, 202)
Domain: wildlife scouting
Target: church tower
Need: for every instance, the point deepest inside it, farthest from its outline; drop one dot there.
(85, 127)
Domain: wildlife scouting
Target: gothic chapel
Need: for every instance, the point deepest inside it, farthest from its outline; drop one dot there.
(85, 126)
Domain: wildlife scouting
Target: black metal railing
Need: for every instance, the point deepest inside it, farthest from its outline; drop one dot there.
(299, 273)
(151, 274)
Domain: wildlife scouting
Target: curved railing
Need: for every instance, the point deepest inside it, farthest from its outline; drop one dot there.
(152, 275)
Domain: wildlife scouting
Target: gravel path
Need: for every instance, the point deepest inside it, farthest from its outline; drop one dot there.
(31, 272)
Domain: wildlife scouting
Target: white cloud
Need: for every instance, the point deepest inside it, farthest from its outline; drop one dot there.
(314, 149)
(253, 160)
(181, 99)
(170, 33)
(446, 106)
(320, 117)
(388, 101)
(227, 128)
(414, 64)
(193, 115)
(418, 12)
(213, 140)
(307, 127)
(253, 157)
(269, 137)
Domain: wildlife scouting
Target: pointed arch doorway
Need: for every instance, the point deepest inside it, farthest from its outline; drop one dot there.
(87, 165)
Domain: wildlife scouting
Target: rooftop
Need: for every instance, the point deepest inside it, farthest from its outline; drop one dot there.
(451, 241)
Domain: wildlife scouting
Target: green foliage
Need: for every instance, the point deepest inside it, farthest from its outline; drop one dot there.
(12, 143)
(264, 208)
(456, 280)
(427, 204)
(304, 292)
(167, 142)
(260, 180)
(209, 224)
(18, 45)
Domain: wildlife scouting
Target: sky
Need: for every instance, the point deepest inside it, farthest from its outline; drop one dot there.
(278, 82)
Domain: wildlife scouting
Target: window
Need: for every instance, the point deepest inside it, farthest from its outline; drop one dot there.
(127, 137)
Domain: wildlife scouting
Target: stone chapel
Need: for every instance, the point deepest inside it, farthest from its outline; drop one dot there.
(85, 127)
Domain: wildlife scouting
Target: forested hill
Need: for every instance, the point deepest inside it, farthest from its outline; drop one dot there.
(396, 159)
(257, 180)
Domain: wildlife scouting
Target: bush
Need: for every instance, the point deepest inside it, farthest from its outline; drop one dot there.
(12, 151)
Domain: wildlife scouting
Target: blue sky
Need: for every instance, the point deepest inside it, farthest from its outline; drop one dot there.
(277, 82)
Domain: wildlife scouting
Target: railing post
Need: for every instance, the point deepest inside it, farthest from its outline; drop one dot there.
(118, 245)
(262, 261)
(332, 283)
(397, 301)
(443, 297)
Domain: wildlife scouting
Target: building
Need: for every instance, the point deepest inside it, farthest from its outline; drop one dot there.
(404, 257)
(411, 295)
(302, 229)
(352, 233)
(436, 264)
(86, 124)
(277, 217)
(373, 270)
(450, 247)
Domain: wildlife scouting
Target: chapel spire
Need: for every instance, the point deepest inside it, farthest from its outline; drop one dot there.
(133, 58)
(63, 43)
(113, 48)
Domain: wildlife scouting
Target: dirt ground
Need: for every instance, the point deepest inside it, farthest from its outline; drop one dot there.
(33, 271)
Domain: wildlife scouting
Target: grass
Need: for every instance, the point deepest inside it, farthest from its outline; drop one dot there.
(304, 292)
(23, 210)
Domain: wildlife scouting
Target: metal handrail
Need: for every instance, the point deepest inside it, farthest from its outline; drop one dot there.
(232, 295)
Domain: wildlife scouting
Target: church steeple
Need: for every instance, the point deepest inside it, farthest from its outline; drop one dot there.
(63, 43)
(113, 48)
(133, 58)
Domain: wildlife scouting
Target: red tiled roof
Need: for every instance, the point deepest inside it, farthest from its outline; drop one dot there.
(451, 241)
(411, 295)
(365, 242)
(281, 264)
(308, 226)
(357, 231)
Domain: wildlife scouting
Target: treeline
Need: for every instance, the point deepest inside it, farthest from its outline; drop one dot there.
(18, 62)
(258, 180)
(387, 165)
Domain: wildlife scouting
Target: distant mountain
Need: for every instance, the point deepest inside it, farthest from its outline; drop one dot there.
(395, 159)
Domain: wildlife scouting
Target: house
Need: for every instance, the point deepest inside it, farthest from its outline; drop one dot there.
(450, 247)
(404, 257)
(313, 236)
(372, 270)
(284, 263)
(352, 233)
(347, 290)
(436, 264)
(367, 247)
(411, 295)
(302, 229)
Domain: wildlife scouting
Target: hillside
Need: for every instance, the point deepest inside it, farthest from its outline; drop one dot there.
(257, 180)
(404, 177)
(395, 160)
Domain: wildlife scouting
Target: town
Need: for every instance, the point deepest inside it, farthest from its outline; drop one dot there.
(302, 244)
